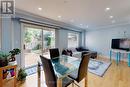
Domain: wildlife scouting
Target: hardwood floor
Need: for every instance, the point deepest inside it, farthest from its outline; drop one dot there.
(116, 76)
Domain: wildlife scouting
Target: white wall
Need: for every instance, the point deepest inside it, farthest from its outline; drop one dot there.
(100, 40)
(62, 39)
(6, 34)
(82, 38)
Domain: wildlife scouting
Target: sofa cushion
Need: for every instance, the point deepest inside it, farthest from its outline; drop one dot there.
(67, 52)
(77, 54)
(72, 49)
(81, 49)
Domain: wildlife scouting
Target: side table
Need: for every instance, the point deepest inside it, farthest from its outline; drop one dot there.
(8, 70)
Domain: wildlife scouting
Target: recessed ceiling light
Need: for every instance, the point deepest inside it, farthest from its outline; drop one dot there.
(113, 21)
(59, 16)
(111, 17)
(39, 9)
(107, 9)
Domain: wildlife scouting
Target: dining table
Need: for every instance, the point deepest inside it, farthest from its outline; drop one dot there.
(63, 65)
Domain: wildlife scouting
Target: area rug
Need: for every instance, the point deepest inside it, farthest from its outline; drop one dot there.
(32, 70)
(98, 67)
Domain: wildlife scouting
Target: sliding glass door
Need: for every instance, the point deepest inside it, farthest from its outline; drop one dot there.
(37, 41)
(32, 45)
(48, 40)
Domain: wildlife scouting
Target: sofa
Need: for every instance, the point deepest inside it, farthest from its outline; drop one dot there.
(79, 52)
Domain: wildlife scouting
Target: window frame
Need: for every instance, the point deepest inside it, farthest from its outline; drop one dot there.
(77, 35)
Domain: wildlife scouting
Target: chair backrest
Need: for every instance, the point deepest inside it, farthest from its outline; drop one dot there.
(54, 52)
(50, 77)
(82, 72)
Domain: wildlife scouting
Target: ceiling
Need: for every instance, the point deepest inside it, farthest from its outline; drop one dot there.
(86, 14)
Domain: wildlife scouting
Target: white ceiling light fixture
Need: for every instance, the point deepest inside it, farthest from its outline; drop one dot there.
(107, 9)
(39, 8)
(111, 17)
(59, 16)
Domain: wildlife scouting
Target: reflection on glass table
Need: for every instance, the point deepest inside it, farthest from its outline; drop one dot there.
(63, 65)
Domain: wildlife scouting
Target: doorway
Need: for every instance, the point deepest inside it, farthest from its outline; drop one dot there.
(37, 41)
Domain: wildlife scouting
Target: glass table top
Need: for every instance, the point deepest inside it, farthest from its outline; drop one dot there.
(63, 65)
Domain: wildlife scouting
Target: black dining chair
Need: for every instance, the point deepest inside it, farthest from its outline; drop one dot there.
(54, 52)
(50, 77)
(81, 73)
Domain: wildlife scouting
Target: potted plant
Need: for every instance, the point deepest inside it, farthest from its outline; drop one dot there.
(3, 59)
(21, 75)
(14, 52)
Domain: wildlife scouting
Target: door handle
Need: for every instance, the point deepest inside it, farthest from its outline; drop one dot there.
(24, 47)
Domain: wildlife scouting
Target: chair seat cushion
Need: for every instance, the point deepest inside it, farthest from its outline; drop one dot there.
(74, 75)
(66, 81)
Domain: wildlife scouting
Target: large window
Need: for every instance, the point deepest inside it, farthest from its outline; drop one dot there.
(73, 40)
(37, 41)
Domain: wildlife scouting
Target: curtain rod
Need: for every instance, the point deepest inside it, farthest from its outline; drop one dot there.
(28, 21)
(38, 23)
